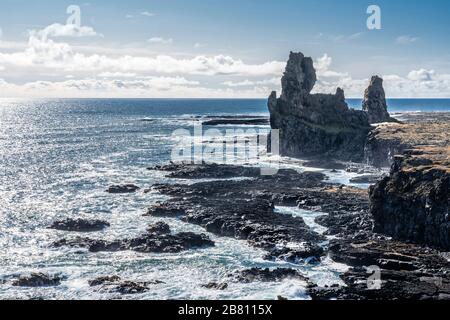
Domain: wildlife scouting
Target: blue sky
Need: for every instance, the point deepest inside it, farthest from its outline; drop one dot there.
(218, 48)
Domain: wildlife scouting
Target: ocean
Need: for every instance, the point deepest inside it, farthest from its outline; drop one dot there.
(59, 156)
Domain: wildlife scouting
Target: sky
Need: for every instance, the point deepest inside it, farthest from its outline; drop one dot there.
(219, 48)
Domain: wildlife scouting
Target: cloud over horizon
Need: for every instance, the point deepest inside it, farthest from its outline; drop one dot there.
(75, 73)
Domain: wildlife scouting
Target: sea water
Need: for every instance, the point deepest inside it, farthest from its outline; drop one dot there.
(57, 158)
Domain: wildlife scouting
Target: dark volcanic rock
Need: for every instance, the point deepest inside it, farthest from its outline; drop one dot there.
(166, 210)
(114, 284)
(152, 242)
(252, 217)
(126, 188)
(104, 280)
(203, 171)
(37, 280)
(325, 164)
(368, 178)
(413, 202)
(375, 102)
(216, 286)
(315, 124)
(129, 287)
(407, 270)
(294, 255)
(267, 275)
(159, 228)
(226, 121)
(80, 225)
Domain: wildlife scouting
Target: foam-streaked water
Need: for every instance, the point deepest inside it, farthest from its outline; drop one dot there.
(57, 159)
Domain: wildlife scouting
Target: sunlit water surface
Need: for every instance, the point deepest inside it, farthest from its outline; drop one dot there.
(57, 159)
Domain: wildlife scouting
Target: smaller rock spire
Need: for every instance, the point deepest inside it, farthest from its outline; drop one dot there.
(375, 102)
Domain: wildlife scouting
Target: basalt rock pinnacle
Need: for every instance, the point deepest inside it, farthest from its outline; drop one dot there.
(314, 125)
(375, 102)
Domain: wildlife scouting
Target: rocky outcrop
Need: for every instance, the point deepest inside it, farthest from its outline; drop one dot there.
(157, 240)
(79, 225)
(315, 124)
(120, 189)
(267, 275)
(413, 202)
(252, 216)
(390, 139)
(406, 271)
(215, 286)
(114, 284)
(375, 102)
(37, 280)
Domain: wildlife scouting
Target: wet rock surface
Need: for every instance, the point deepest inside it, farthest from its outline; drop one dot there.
(408, 271)
(252, 216)
(325, 164)
(368, 179)
(37, 280)
(122, 189)
(114, 284)
(159, 228)
(80, 225)
(104, 280)
(157, 240)
(206, 171)
(216, 286)
(267, 275)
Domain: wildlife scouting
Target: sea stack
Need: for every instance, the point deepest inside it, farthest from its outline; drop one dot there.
(315, 125)
(375, 102)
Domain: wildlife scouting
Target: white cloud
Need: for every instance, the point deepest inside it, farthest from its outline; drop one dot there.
(406, 40)
(421, 83)
(67, 30)
(160, 40)
(199, 45)
(117, 75)
(421, 75)
(43, 53)
(322, 66)
(156, 87)
(247, 83)
(100, 73)
(1, 33)
(129, 16)
(147, 14)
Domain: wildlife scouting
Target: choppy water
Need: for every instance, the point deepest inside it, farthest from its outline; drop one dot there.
(57, 158)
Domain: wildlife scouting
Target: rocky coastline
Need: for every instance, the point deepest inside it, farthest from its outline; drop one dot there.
(407, 271)
(394, 238)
